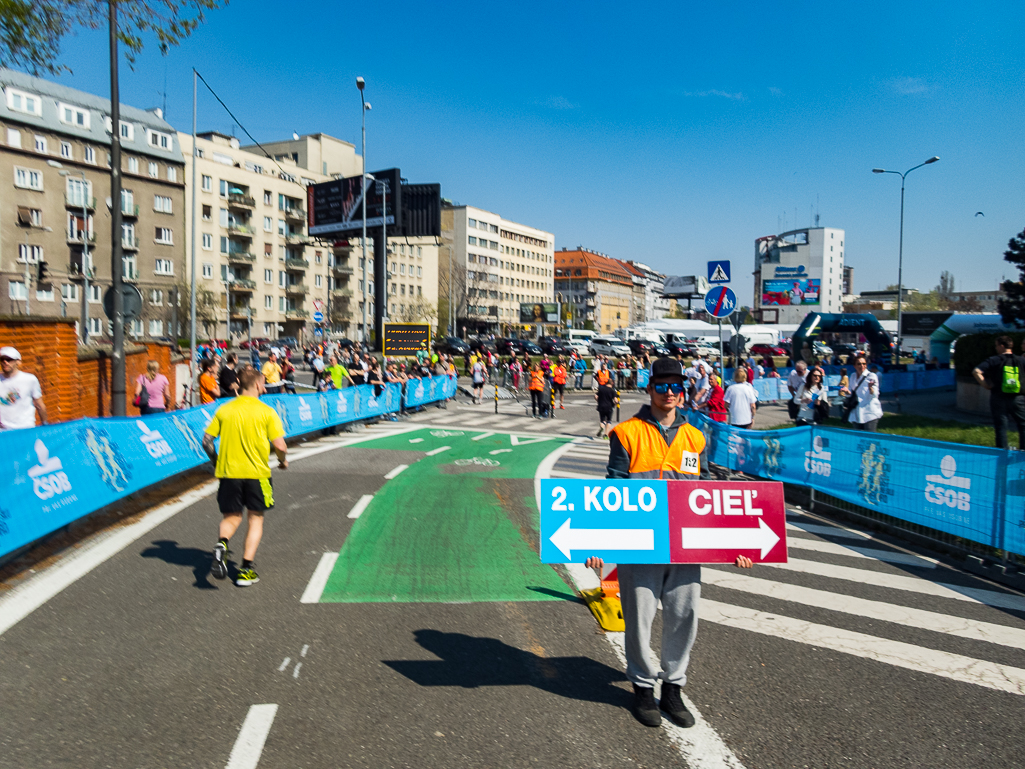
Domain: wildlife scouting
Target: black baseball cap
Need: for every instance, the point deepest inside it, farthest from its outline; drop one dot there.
(664, 367)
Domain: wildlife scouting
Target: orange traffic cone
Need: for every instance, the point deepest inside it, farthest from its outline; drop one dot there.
(604, 601)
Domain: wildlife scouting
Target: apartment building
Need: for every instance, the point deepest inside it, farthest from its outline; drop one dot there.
(648, 285)
(492, 265)
(598, 289)
(55, 155)
(265, 276)
(798, 272)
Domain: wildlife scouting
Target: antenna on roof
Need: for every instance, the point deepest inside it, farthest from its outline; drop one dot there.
(816, 209)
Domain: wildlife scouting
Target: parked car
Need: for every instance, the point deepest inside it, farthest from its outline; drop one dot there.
(452, 345)
(480, 344)
(686, 349)
(822, 349)
(608, 345)
(640, 346)
(553, 345)
(767, 349)
(579, 346)
(843, 349)
(661, 350)
(285, 341)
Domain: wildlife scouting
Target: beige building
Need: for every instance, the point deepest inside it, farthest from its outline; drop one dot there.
(252, 244)
(55, 158)
(492, 265)
(598, 289)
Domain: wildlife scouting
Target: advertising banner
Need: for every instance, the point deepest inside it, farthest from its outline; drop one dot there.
(337, 206)
(61, 472)
(539, 312)
(654, 521)
(790, 291)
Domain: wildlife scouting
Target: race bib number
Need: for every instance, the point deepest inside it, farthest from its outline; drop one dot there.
(689, 463)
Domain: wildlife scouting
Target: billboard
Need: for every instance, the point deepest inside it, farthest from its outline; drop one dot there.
(922, 323)
(685, 286)
(405, 338)
(336, 207)
(421, 210)
(539, 312)
(790, 291)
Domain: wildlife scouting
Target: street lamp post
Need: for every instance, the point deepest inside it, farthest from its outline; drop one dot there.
(900, 251)
(361, 84)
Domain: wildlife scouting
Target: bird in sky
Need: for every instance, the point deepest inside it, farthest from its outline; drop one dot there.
(979, 213)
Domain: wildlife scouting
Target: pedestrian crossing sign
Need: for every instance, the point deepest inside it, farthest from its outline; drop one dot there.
(719, 271)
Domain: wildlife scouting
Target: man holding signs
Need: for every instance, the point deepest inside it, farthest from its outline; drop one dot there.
(658, 443)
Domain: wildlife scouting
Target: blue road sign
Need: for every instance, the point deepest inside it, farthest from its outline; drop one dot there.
(318, 317)
(719, 271)
(720, 302)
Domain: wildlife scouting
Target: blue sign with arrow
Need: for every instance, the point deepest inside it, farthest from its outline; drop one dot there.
(719, 271)
(720, 302)
(318, 317)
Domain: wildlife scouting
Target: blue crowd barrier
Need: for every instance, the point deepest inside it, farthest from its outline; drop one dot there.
(973, 492)
(898, 381)
(59, 473)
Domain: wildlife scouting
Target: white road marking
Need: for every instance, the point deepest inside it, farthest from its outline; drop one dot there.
(956, 667)
(306, 648)
(416, 440)
(360, 506)
(295, 672)
(284, 664)
(574, 474)
(252, 736)
(829, 531)
(862, 607)
(818, 546)
(500, 451)
(395, 471)
(429, 454)
(319, 579)
(906, 583)
(482, 436)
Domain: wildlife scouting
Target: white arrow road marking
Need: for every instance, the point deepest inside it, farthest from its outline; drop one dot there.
(249, 745)
(568, 539)
(763, 538)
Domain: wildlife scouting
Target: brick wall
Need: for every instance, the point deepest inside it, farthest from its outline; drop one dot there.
(76, 382)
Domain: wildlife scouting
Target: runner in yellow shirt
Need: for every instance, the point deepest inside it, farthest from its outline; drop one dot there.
(248, 429)
(272, 374)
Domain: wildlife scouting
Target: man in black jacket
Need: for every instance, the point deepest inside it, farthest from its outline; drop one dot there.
(1001, 374)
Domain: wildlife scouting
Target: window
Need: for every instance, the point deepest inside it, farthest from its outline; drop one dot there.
(207, 213)
(471, 223)
(156, 296)
(267, 198)
(268, 250)
(172, 174)
(156, 327)
(224, 217)
(208, 241)
(268, 224)
(44, 293)
(402, 269)
(268, 303)
(159, 140)
(127, 131)
(33, 254)
(16, 290)
(494, 228)
(223, 188)
(472, 240)
(282, 279)
(66, 150)
(224, 245)
(163, 267)
(94, 294)
(162, 204)
(208, 270)
(20, 101)
(27, 178)
(69, 291)
(317, 281)
(419, 252)
(135, 328)
(318, 258)
(268, 277)
(90, 155)
(419, 272)
(13, 137)
(154, 171)
(133, 165)
(281, 304)
(281, 227)
(164, 235)
(70, 115)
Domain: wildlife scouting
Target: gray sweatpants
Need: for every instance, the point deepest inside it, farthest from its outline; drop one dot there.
(641, 587)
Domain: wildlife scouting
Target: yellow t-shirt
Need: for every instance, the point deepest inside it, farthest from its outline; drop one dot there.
(246, 427)
(271, 372)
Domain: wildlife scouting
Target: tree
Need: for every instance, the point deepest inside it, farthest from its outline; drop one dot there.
(31, 31)
(946, 286)
(207, 305)
(1012, 308)
(419, 310)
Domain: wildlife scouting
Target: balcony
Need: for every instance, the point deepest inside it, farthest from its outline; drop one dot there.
(237, 200)
(342, 269)
(298, 239)
(341, 294)
(295, 213)
(130, 243)
(238, 230)
(296, 289)
(240, 257)
(75, 268)
(292, 263)
(240, 311)
(342, 249)
(130, 273)
(296, 314)
(243, 284)
(77, 239)
(592, 287)
(76, 201)
(128, 211)
(590, 302)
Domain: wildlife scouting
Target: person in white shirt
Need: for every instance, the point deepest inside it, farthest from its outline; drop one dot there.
(742, 400)
(20, 394)
(812, 398)
(794, 381)
(865, 385)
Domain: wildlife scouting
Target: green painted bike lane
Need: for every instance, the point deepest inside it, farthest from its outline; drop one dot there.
(457, 527)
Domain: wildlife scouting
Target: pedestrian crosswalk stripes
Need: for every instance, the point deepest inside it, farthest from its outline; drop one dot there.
(834, 586)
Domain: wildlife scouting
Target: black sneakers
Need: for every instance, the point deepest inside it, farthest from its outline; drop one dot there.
(644, 708)
(219, 568)
(672, 704)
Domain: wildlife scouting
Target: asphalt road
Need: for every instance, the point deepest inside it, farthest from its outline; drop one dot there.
(437, 640)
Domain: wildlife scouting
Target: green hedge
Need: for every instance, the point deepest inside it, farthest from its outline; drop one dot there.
(972, 349)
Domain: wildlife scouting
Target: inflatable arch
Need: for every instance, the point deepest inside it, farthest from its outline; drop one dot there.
(880, 342)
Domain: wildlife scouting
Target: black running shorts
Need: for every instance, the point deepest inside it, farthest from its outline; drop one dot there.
(255, 495)
(604, 416)
(559, 388)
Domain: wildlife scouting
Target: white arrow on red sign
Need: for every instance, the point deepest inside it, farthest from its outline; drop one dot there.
(763, 538)
(568, 539)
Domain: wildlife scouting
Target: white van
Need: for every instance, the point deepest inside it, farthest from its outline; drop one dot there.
(578, 339)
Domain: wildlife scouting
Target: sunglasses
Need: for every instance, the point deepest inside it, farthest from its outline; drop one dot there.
(663, 387)
(7, 360)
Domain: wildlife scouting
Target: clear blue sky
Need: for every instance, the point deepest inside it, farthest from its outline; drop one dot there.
(670, 133)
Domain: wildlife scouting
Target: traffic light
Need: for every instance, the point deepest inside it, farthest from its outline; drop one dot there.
(41, 276)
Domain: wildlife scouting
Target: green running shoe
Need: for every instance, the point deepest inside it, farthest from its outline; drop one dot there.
(247, 577)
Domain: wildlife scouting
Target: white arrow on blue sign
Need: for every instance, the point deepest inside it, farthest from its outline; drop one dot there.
(720, 302)
(318, 317)
(719, 271)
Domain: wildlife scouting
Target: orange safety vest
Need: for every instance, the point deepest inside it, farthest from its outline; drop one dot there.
(603, 376)
(559, 375)
(537, 380)
(650, 457)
